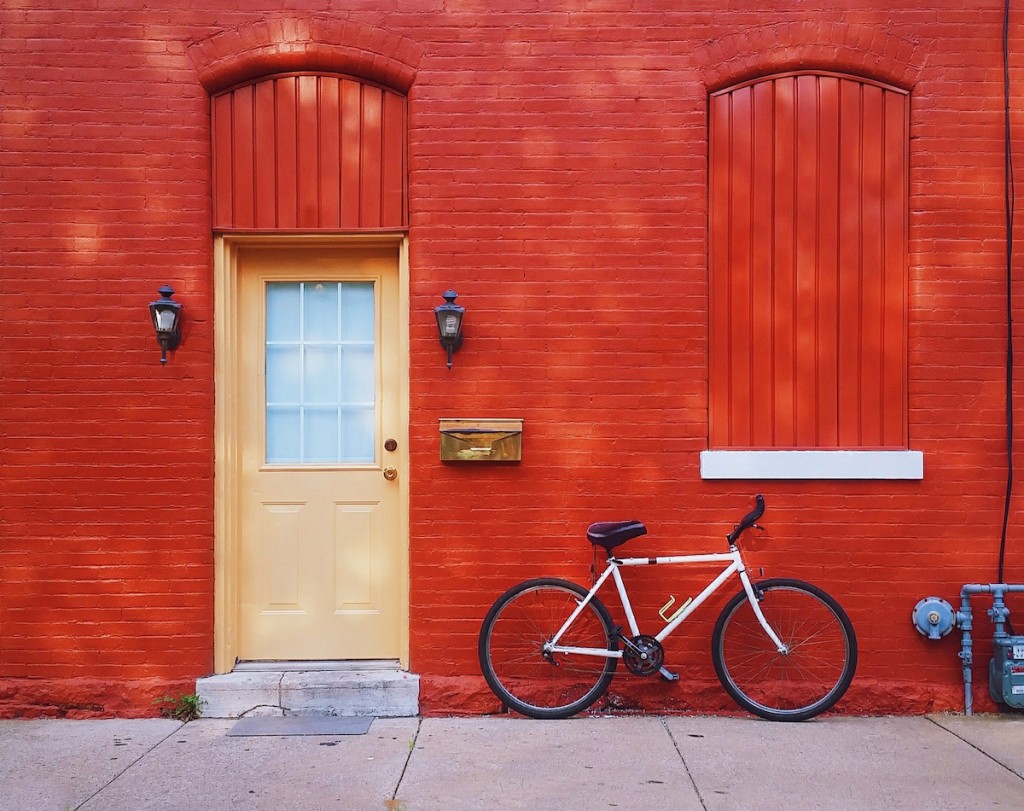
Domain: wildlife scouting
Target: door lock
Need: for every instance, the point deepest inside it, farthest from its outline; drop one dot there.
(390, 473)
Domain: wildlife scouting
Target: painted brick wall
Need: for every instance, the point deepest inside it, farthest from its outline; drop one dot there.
(107, 471)
(557, 181)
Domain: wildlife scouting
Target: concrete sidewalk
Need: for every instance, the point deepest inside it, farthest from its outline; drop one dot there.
(646, 762)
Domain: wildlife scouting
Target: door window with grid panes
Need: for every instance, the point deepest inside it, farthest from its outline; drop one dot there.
(320, 373)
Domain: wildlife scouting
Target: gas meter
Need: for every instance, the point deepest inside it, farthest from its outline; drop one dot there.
(1006, 671)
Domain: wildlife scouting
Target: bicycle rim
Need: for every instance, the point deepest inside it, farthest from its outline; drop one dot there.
(805, 681)
(511, 656)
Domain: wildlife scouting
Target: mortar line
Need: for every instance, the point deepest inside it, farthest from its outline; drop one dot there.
(686, 768)
(408, 758)
(123, 771)
(976, 748)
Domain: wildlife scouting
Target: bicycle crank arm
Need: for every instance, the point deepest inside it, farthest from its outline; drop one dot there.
(668, 675)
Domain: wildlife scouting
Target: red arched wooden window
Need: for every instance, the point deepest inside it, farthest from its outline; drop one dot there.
(309, 152)
(808, 244)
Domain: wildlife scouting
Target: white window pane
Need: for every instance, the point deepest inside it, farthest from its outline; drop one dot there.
(321, 375)
(320, 435)
(283, 431)
(358, 431)
(320, 319)
(357, 374)
(358, 311)
(283, 311)
(284, 374)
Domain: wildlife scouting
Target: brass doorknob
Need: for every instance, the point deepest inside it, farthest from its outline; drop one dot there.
(390, 473)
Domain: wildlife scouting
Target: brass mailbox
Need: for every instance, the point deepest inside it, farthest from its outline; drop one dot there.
(481, 440)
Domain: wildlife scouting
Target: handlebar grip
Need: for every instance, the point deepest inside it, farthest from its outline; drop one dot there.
(754, 514)
(748, 520)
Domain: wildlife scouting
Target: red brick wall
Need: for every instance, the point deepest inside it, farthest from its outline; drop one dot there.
(558, 183)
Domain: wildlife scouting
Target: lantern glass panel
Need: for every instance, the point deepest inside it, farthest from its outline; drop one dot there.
(166, 318)
(450, 325)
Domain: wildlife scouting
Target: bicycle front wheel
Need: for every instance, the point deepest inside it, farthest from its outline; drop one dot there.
(805, 679)
(512, 657)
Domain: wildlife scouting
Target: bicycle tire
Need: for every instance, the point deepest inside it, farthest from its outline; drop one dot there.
(816, 670)
(513, 632)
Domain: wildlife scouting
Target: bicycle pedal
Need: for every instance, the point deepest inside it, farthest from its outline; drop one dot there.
(668, 675)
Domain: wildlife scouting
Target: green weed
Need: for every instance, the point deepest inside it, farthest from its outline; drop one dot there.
(183, 708)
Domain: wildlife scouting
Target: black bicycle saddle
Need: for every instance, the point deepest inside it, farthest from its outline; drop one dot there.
(610, 534)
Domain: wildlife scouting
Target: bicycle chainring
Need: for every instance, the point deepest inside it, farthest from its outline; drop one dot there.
(643, 655)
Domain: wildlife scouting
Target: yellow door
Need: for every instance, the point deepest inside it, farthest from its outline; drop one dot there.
(321, 435)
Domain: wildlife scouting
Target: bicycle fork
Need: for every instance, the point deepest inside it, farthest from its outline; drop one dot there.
(755, 604)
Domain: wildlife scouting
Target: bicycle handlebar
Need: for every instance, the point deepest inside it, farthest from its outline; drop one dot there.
(748, 520)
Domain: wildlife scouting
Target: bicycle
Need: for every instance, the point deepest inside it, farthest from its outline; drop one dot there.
(783, 649)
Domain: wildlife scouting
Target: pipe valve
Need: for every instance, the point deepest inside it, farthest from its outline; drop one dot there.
(933, 617)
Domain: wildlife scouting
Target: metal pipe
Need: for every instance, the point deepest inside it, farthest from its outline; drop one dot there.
(977, 588)
(964, 620)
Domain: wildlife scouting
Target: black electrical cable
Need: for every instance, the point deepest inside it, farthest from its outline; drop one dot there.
(1010, 201)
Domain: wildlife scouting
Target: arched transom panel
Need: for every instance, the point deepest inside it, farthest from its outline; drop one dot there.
(309, 152)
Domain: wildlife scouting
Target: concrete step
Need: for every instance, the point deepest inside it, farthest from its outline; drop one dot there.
(380, 692)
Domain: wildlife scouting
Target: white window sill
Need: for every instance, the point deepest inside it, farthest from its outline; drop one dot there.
(812, 465)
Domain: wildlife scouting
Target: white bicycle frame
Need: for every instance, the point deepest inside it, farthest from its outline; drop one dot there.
(734, 565)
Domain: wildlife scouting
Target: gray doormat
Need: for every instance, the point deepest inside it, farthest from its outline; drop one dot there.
(302, 725)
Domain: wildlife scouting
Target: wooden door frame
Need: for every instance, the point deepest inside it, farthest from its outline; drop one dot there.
(228, 401)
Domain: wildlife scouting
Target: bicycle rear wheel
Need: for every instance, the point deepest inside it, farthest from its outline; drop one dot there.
(813, 673)
(511, 649)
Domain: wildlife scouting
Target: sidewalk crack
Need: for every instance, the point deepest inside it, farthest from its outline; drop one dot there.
(686, 768)
(123, 771)
(995, 760)
(395, 802)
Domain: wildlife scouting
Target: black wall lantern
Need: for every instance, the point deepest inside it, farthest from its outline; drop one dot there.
(166, 315)
(449, 323)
